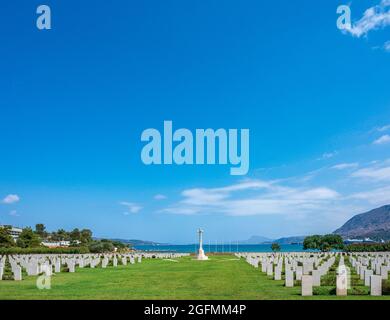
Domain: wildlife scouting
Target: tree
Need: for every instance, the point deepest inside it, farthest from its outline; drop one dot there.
(312, 242)
(101, 246)
(40, 230)
(62, 235)
(28, 239)
(275, 247)
(331, 241)
(119, 244)
(74, 243)
(6, 240)
(75, 235)
(86, 236)
(323, 243)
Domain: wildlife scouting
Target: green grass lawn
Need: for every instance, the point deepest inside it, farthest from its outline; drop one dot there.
(222, 277)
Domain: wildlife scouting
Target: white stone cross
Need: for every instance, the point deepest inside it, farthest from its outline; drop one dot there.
(201, 255)
(200, 232)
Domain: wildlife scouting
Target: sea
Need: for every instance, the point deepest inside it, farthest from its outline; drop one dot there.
(218, 248)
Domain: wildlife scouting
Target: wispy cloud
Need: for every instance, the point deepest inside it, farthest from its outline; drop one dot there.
(386, 127)
(11, 198)
(259, 198)
(131, 207)
(377, 197)
(343, 166)
(373, 173)
(374, 18)
(386, 46)
(159, 197)
(14, 213)
(383, 139)
(293, 199)
(327, 155)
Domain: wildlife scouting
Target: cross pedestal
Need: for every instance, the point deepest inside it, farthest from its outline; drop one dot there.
(201, 254)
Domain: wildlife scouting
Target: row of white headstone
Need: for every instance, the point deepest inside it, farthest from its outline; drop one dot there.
(36, 264)
(372, 269)
(308, 268)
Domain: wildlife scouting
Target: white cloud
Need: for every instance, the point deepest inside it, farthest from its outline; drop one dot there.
(261, 198)
(386, 46)
(11, 198)
(373, 18)
(373, 173)
(131, 207)
(386, 127)
(382, 140)
(328, 155)
(377, 197)
(305, 203)
(159, 197)
(343, 166)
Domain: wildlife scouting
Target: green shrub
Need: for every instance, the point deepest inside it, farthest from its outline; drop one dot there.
(328, 280)
(386, 288)
(359, 291)
(368, 247)
(324, 291)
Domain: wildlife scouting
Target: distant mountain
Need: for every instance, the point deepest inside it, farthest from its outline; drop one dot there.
(139, 242)
(264, 240)
(374, 224)
(290, 240)
(256, 240)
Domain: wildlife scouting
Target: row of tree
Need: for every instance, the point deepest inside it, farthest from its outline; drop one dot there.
(368, 247)
(30, 239)
(325, 243)
(83, 236)
(317, 242)
(27, 239)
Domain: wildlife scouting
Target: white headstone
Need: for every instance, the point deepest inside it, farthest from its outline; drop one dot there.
(307, 285)
(71, 266)
(341, 285)
(270, 267)
(289, 281)
(316, 278)
(278, 274)
(57, 266)
(299, 273)
(17, 273)
(385, 272)
(367, 277)
(376, 285)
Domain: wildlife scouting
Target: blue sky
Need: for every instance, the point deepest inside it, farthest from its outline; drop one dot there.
(74, 101)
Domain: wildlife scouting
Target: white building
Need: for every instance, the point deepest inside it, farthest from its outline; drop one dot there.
(14, 231)
(56, 244)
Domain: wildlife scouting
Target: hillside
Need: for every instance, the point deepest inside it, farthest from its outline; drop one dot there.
(290, 240)
(256, 240)
(134, 242)
(374, 224)
(264, 240)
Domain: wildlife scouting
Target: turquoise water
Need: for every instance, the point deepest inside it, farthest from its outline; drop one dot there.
(228, 248)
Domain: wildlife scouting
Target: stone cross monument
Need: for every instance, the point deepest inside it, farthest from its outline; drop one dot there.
(201, 255)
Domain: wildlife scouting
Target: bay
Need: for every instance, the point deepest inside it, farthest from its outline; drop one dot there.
(218, 248)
